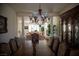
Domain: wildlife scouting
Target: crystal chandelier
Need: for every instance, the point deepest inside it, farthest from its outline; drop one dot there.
(39, 17)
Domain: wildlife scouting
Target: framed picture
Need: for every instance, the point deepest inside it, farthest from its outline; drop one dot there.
(3, 24)
(26, 27)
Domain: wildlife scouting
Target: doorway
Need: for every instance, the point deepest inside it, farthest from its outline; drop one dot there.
(25, 27)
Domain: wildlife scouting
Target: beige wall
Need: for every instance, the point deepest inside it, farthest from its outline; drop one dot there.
(8, 12)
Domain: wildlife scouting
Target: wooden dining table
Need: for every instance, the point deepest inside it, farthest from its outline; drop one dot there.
(30, 35)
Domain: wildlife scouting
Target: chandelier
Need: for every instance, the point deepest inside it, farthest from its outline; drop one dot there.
(39, 17)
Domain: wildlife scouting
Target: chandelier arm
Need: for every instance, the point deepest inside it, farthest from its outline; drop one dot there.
(39, 16)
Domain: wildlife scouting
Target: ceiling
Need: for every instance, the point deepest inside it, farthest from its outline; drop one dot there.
(46, 7)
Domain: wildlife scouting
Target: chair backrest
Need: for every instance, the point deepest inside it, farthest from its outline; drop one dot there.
(55, 45)
(13, 46)
(35, 36)
(4, 49)
(18, 42)
(63, 49)
(50, 42)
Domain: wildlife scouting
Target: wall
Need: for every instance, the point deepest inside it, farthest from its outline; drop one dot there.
(8, 12)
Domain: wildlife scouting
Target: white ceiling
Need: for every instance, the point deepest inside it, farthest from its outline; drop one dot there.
(48, 7)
